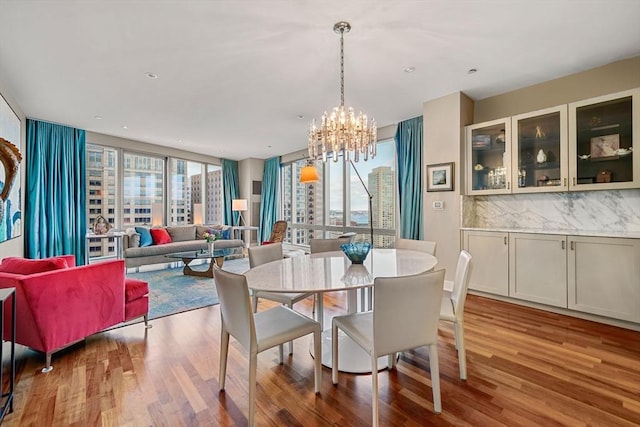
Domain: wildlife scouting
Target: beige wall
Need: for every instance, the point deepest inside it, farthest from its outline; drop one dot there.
(611, 78)
(143, 147)
(444, 120)
(250, 170)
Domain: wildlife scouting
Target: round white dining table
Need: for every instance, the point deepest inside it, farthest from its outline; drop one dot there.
(332, 271)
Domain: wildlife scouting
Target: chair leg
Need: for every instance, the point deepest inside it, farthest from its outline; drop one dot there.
(254, 302)
(253, 367)
(290, 342)
(47, 366)
(374, 390)
(313, 306)
(455, 335)
(281, 353)
(317, 351)
(146, 322)
(434, 367)
(462, 353)
(224, 351)
(334, 354)
(320, 312)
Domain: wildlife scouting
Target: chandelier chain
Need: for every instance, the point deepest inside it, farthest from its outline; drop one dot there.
(342, 66)
(342, 133)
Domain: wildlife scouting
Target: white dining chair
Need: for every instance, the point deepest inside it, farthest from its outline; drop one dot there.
(405, 316)
(427, 246)
(260, 331)
(317, 246)
(327, 245)
(259, 255)
(452, 307)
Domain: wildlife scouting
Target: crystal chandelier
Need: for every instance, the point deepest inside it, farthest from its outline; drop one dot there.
(342, 131)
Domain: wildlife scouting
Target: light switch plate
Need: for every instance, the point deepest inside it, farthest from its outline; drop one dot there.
(438, 205)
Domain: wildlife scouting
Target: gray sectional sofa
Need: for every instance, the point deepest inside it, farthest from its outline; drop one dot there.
(184, 238)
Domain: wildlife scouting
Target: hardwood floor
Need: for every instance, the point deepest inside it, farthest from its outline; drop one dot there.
(525, 367)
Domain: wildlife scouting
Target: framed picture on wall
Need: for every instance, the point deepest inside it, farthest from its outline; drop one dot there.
(440, 177)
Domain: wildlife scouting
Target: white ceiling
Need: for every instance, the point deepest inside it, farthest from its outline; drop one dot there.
(234, 75)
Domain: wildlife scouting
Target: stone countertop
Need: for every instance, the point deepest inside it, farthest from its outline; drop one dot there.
(590, 233)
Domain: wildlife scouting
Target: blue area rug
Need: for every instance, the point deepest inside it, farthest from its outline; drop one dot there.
(172, 292)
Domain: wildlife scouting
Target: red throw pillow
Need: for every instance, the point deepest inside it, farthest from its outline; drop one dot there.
(160, 236)
(17, 265)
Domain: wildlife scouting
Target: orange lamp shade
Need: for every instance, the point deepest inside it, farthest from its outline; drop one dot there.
(309, 174)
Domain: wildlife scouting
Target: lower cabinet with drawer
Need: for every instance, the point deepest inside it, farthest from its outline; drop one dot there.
(596, 275)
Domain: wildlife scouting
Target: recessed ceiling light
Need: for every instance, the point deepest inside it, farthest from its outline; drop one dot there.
(97, 117)
(151, 75)
(269, 146)
(125, 127)
(472, 70)
(299, 117)
(180, 140)
(409, 69)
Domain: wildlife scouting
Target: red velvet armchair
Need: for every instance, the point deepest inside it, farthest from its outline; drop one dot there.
(59, 303)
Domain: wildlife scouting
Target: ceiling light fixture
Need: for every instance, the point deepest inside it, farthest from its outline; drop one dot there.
(472, 70)
(409, 69)
(97, 117)
(125, 127)
(342, 131)
(151, 75)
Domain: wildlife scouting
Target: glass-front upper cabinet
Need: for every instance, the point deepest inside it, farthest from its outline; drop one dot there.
(539, 158)
(489, 157)
(603, 132)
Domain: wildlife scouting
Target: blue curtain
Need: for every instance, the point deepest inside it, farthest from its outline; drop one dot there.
(409, 151)
(269, 197)
(55, 206)
(230, 190)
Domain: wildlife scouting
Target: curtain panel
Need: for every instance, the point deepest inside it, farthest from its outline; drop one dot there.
(269, 197)
(230, 190)
(55, 206)
(408, 140)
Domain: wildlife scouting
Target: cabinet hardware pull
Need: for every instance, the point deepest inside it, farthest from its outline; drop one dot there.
(572, 245)
(565, 182)
(562, 244)
(505, 240)
(508, 184)
(574, 181)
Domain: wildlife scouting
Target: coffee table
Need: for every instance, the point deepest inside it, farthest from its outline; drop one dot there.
(218, 256)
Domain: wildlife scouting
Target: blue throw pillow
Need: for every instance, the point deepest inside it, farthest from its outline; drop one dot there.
(226, 233)
(145, 236)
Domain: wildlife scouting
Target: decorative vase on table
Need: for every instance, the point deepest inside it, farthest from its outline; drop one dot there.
(211, 247)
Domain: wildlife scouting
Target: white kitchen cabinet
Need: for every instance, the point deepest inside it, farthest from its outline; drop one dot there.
(538, 268)
(490, 263)
(540, 149)
(604, 276)
(488, 148)
(603, 133)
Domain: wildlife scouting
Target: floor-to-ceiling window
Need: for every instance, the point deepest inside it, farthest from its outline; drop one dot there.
(338, 202)
(101, 194)
(144, 188)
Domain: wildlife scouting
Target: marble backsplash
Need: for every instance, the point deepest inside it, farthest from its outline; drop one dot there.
(611, 211)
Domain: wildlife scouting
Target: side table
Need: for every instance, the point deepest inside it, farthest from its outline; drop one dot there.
(7, 395)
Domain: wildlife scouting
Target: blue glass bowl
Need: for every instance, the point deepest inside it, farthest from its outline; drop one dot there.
(357, 251)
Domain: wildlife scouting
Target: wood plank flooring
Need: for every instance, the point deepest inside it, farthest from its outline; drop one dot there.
(525, 368)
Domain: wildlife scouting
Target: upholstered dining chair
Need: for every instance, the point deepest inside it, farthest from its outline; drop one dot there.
(259, 255)
(260, 331)
(452, 307)
(327, 245)
(278, 231)
(398, 303)
(417, 245)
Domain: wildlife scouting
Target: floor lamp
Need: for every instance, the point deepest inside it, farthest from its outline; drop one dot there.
(239, 205)
(370, 201)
